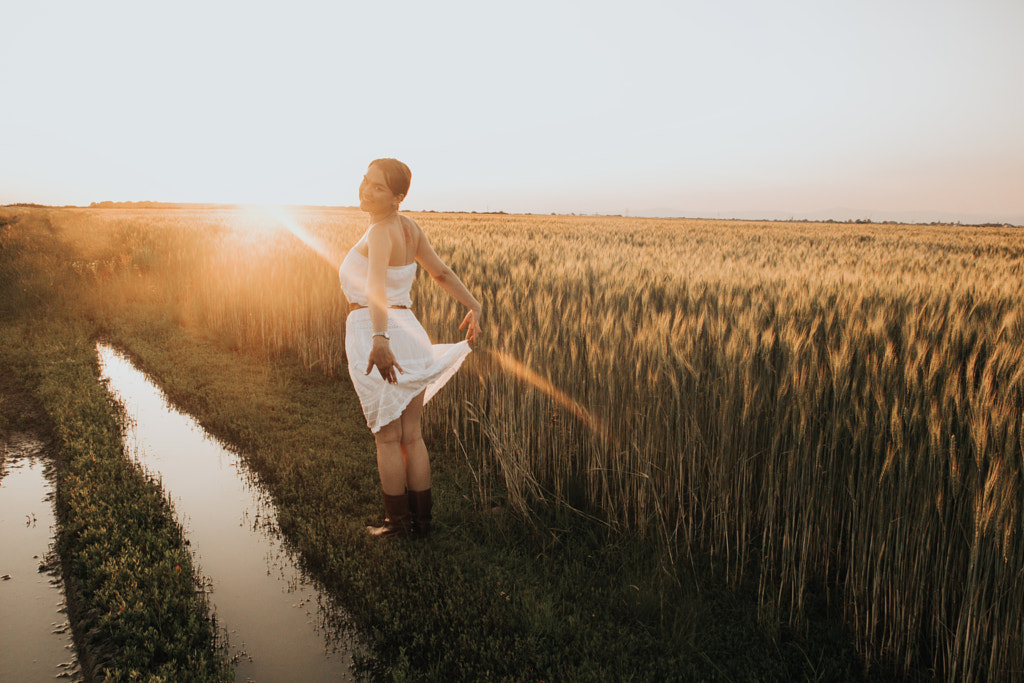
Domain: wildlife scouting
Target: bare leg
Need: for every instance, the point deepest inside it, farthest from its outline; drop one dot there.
(391, 466)
(417, 460)
(390, 458)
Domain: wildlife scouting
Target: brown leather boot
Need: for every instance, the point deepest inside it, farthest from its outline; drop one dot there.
(396, 520)
(420, 505)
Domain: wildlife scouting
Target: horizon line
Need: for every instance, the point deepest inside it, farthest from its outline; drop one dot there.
(772, 216)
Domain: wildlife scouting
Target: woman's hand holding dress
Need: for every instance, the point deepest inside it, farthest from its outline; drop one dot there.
(381, 356)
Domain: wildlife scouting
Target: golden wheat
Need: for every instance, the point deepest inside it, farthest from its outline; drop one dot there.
(838, 403)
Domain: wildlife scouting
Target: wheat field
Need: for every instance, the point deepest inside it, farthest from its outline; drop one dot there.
(838, 403)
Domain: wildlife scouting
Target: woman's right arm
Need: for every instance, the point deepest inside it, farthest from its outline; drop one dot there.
(450, 283)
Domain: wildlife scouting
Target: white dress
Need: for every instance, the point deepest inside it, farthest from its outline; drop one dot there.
(427, 367)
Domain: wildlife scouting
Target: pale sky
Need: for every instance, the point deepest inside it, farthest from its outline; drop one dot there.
(880, 109)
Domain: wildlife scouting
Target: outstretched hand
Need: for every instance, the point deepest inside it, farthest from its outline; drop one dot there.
(471, 323)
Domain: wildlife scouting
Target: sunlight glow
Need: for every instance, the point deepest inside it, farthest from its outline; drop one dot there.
(280, 216)
(257, 220)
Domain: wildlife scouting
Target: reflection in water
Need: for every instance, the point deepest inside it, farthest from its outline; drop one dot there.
(280, 626)
(35, 639)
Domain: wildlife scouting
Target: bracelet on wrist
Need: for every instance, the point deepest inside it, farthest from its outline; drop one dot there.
(383, 334)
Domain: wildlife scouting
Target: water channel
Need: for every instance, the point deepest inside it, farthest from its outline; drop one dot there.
(35, 638)
(280, 625)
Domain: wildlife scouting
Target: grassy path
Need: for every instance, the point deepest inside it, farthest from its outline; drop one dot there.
(131, 590)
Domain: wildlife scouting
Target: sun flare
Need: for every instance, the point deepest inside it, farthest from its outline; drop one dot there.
(269, 219)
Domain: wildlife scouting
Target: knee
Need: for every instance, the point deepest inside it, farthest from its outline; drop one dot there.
(412, 439)
(389, 435)
(411, 436)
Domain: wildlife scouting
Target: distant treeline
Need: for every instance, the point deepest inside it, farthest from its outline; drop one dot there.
(158, 205)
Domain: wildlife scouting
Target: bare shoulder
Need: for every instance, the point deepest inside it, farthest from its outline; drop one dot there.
(412, 232)
(378, 240)
(409, 224)
(379, 230)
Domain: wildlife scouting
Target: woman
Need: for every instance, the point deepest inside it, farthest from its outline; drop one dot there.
(393, 365)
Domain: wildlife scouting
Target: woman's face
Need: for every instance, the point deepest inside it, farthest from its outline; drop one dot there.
(375, 197)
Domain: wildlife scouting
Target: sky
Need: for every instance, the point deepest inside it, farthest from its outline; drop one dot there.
(875, 109)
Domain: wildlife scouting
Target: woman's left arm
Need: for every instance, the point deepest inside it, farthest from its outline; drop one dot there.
(450, 283)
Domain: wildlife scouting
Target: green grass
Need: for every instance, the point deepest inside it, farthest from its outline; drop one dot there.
(131, 585)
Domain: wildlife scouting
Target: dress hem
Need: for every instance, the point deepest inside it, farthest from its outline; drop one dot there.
(428, 384)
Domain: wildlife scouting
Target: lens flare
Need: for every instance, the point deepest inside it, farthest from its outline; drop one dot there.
(526, 374)
(285, 219)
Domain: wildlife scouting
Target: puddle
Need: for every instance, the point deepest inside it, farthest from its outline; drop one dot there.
(35, 638)
(280, 625)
